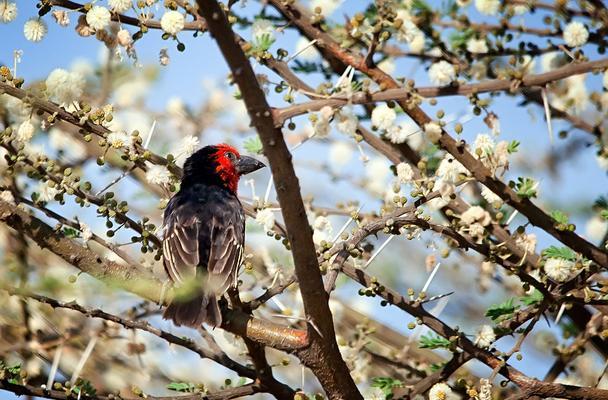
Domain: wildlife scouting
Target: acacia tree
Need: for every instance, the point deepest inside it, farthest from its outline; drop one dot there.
(72, 158)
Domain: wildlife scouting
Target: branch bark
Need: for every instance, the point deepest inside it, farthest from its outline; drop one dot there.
(322, 356)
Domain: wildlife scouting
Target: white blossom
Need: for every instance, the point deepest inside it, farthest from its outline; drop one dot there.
(596, 228)
(61, 17)
(261, 27)
(485, 386)
(476, 231)
(26, 131)
(8, 11)
(322, 229)
(417, 44)
(118, 139)
(347, 121)
(450, 169)
(527, 242)
(405, 173)
(265, 218)
(408, 31)
(490, 196)
(446, 189)
(559, 269)
(441, 391)
(401, 132)
(185, 148)
(383, 116)
(123, 37)
(321, 128)
(120, 6)
(35, 29)
(172, 22)
(340, 153)
(487, 7)
(433, 131)
(64, 87)
(7, 196)
(158, 175)
(98, 17)
(605, 79)
(396, 134)
(46, 193)
(85, 232)
(476, 214)
(520, 9)
(327, 6)
(477, 46)
(575, 34)
(485, 336)
(442, 73)
(484, 144)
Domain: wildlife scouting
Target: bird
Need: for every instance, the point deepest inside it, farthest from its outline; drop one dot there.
(204, 234)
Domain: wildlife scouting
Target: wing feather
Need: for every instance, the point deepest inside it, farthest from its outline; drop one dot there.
(204, 239)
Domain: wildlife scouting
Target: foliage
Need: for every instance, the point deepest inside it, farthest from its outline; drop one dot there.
(386, 385)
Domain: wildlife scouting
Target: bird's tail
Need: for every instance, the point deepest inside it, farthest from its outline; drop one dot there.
(194, 311)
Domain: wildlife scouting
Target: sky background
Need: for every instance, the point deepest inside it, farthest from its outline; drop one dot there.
(577, 183)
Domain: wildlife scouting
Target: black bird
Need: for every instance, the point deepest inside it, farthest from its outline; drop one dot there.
(205, 233)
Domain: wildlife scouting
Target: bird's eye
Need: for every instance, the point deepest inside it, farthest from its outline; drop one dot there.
(231, 156)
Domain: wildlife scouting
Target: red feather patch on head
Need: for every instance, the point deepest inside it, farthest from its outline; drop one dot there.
(225, 167)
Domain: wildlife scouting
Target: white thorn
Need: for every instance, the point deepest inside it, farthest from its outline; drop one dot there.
(268, 187)
(386, 242)
(560, 313)
(543, 93)
(312, 43)
(54, 367)
(346, 224)
(150, 133)
(430, 278)
(512, 217)
(83, 359)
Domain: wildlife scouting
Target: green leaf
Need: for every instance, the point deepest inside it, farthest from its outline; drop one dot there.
(253, 145)
(434, 342)
(601, 202)
(559, 252)
(85, 387)
(459, 39)
(513, 147)
(184, 387)
(70, 232)
(262, 43)
(559, 217)
(535, 297)
(604, 214)
(386, 385)
(437, 366)
(421, 6)
(500, 312)
(526, 187)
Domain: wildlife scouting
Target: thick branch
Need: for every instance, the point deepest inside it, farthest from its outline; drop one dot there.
(323, 356)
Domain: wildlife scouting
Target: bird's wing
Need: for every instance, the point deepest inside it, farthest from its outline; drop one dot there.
(204, 237)
(226, 252)
(181, 246)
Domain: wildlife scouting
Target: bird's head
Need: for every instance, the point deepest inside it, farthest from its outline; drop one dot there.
(220, 165)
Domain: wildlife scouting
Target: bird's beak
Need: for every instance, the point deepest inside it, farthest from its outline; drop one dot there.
(246, 165)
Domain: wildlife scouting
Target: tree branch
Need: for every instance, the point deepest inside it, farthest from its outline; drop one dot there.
(323, 356)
